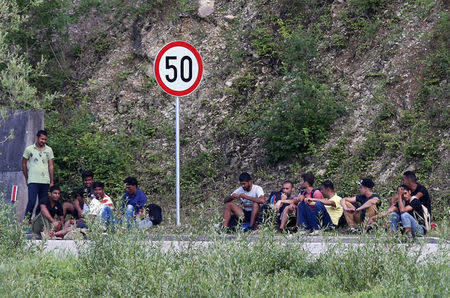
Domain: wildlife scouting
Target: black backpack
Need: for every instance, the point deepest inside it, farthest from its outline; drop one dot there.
(155, 213)
(274, 197)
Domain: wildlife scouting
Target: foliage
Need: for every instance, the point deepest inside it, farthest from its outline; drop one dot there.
(124, 265)
(78, 145)
(12, 240)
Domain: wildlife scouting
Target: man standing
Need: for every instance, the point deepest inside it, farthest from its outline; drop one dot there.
(326, 212)
(251, 197)
(37, 167)
(356, 208)
(133, 199)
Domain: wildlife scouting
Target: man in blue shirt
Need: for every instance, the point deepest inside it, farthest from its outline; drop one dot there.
(133, 199)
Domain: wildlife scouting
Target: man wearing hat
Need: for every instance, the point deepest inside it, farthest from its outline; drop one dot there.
(355, 208)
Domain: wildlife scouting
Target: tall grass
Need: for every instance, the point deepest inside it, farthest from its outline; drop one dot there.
(124, 265)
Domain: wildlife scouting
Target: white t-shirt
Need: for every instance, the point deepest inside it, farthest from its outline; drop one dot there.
(255, 192)
(95, 207)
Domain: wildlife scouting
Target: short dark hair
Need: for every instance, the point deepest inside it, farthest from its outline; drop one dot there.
(288, 182)
(328, 184)
(85, 174)
(79, 192)
(41, 132)
(308, 177)
(98, 184)
(410, 176)
(131, 181)
(405, 187)
(245, 177)
(53, 188)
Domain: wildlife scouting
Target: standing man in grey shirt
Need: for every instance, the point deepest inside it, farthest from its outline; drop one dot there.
(37, 167)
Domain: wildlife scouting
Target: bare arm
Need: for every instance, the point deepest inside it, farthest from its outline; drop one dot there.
(260, 199)
(381, 215)
(51, 172)
(344, 203)
(323, 201)
(402, 208)
(25, 169)
(46, 213)
(230, 198)
(368, 204)
(77, 206)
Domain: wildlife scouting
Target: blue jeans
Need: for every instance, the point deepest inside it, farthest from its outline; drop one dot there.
(129, 212)
(310, 219)
(394, 219)
(35, 190)
(108, 216)
(408, 221)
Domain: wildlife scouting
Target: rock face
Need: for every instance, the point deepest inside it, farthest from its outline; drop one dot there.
(205, 8)
(369, 72)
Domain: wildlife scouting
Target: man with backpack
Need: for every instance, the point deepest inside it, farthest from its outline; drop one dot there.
(417, 190)
(410, 213)
(281, 200)
(307, 191)
(356, 208)
(251, 196)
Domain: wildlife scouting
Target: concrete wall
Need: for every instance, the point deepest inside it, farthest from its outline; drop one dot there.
(25, 125)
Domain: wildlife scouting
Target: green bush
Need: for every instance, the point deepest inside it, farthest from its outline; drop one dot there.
(78, 145)
(299, 120)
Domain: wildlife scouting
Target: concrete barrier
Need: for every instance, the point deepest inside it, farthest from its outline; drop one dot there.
(23, 125)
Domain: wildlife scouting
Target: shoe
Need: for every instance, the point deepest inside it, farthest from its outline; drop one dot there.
(315, 233)
(28, 231)
(304, 232)
(353, 231)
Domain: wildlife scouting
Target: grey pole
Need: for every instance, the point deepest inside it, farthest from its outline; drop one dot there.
(177, 155)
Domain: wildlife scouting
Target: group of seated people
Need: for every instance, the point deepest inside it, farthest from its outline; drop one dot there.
(311, 210)
(92, 202)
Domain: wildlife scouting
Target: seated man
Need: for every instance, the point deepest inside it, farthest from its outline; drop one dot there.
(308, 191)
(356, 208)
(133, 200)
(101, 204)
(410, 213)
(45, 223)
(251, 197)
(287, 195)
(326, 212)
(417, 190)
(75, 208)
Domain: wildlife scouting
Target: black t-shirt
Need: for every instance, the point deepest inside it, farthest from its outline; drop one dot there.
(425, 199)
(361, 200)
(55, 210)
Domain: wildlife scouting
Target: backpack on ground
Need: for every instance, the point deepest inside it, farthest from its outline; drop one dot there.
(155, 213)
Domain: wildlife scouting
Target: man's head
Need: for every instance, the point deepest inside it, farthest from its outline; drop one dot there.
(41, 138)
(79, 194)
(405, 191)
(99, 189)
(327, 188)
(288, 188)
(131, 185)
(88, 178)
(409, 179)
(365, 186)
(307, 180)
(246, 181)
(55, 193)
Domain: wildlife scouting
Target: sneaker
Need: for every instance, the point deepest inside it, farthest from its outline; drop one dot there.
(28, 231)
(353, 231)
(315, 233)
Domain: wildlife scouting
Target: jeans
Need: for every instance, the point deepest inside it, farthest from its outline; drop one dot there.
(310, 219)
(108, 215)
(35, 190)
(408, 221)
(129, 212)
(394, 219)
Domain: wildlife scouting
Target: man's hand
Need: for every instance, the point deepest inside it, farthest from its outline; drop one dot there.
(228, 199)
(278, 205)
(57, 225)
(283, 196)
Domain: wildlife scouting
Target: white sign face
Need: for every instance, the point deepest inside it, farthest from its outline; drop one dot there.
(178, 68)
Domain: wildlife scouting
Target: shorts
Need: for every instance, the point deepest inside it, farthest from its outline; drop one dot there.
(40, 224)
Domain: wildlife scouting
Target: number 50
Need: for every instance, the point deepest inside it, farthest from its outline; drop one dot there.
(183, 61)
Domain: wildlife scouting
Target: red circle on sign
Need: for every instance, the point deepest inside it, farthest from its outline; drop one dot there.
(158, 60)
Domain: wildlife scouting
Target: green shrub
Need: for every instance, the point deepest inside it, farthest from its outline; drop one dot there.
(12, 240)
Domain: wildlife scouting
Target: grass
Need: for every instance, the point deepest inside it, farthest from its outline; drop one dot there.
(123, 265)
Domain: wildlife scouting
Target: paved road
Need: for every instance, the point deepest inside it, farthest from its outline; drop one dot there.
(316, 245)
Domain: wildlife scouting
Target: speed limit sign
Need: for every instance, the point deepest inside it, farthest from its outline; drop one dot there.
(178, 68)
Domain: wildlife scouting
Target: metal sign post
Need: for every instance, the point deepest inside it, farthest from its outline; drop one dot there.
(178, 71)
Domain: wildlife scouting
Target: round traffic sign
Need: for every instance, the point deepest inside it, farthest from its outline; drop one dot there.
(178, 68)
